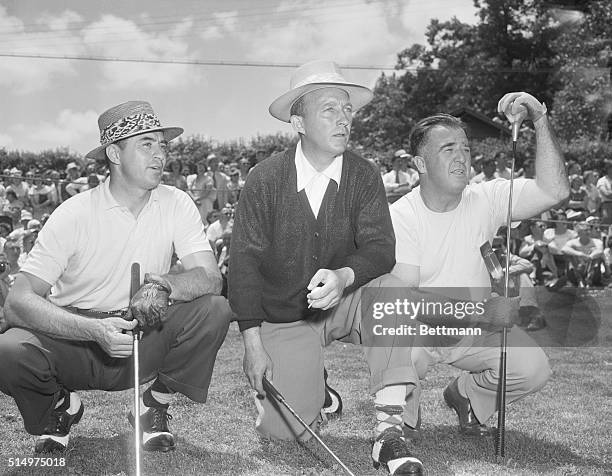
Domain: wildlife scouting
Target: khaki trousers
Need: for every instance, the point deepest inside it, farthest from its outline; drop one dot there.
(296, 350)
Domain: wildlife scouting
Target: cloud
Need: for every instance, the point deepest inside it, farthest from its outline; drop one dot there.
(59, 22)
(26, 75)
(116, 37)
(359, 34)
(74, 129)
(223, 24)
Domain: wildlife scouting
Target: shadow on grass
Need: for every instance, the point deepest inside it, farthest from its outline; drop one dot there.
(574, 317)
(443, 450)
(115, 456)
(311, 458)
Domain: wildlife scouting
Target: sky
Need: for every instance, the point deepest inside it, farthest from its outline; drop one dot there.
(48, 103)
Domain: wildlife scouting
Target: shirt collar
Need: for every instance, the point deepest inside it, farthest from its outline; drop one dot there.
(109, 202)
(306, 172)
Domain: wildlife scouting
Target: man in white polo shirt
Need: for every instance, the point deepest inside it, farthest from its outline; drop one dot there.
(439, 228)
(67, 311)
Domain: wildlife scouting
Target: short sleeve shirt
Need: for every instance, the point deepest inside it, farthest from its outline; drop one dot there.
(86, 248)
(446, 246)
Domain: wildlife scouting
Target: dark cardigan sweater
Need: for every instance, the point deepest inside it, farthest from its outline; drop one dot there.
(278, 244)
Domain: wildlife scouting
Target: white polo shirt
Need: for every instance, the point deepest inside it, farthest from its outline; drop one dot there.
(86, 248)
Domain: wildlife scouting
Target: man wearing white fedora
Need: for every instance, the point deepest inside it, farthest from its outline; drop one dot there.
(67, 313)
(312, 229)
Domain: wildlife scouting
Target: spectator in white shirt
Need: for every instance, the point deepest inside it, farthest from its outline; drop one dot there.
(397, 182)
(604, 185)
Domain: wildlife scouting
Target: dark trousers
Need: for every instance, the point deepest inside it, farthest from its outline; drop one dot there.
(181, 353)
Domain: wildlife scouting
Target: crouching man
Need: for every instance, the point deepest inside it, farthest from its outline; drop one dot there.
(67, 313)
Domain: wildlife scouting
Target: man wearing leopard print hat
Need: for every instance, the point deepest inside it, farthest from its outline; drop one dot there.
(69, 313)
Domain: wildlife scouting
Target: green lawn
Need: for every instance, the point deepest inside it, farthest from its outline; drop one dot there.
(564, 429)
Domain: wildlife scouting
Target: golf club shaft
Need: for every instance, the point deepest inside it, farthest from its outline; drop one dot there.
(136, 402)
(134, 286)
(500, 444)
(272, 391)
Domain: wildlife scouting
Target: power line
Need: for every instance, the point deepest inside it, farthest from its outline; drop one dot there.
(255, 64)
(184, 61)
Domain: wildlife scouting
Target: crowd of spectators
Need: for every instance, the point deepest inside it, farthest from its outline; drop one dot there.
(569, 245)
(28, 197)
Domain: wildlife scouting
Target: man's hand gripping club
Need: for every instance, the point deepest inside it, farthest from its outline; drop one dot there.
(149, 306)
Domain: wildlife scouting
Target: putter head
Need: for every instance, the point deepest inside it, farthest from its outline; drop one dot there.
(491, 262)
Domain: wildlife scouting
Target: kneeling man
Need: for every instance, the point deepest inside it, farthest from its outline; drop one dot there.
(439, 228)
(67, 313)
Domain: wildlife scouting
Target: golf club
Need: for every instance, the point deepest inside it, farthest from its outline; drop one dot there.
(500, 442)
(272, 391)
(134, 286)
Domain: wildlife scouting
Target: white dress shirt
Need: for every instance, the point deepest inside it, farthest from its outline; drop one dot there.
(313, 182)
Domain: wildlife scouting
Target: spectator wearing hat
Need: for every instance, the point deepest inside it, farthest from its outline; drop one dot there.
(25, 217)
(78, 336)
(399, 182)
(73, 182)
(18, 185)
(604, 185)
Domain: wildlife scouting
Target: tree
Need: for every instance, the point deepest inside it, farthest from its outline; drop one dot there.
(583, 103)
(465, 66)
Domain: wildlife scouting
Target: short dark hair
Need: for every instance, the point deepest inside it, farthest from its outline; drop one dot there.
(418, 134)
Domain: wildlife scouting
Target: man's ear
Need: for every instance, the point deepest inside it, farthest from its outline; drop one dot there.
(298, 124)
(112, 152)
(419, 163)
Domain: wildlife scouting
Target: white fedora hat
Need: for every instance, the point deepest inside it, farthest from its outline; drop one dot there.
(318, 75)
(129, 119)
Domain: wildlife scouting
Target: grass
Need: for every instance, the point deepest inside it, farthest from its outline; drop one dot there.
(564, 429)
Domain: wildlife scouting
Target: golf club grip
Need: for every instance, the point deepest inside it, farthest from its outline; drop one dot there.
(134, 279)
(271, 389)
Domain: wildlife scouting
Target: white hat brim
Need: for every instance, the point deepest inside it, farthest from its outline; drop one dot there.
(281, 107)
(169, 134)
